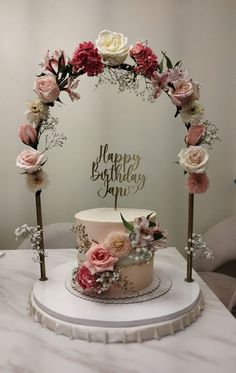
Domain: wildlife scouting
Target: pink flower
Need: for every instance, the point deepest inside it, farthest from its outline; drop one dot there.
(144, 234)
(99, 259)
(87, 59)
(46, 88)
(195, 134)
(28, 134)
(197, 183)
(30, 160)
(181, 93)
(145, 59)
(117, 244)
(85, 279)
(53, 62)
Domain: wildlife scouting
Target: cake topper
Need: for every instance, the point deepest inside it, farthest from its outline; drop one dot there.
(118, 172)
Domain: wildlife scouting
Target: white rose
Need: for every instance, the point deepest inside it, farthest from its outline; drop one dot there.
(112, 47)
(30, 160)
(194, 159)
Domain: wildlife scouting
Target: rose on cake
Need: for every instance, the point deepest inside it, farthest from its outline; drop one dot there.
(99, 259)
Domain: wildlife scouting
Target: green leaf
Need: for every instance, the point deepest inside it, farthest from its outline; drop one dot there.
(161, 65)
(168, 61)
(127, 225)
(152, 224)
(179, 63)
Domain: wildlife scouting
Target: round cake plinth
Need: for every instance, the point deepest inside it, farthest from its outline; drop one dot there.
(169, 304)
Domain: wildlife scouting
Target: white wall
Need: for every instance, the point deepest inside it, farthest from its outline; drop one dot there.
(201, 33)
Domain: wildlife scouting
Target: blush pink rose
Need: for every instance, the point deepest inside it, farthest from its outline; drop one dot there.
(99, 259)
(181, 93)
(85, 279)
(46, 88)
(195, 134)
(28, 134)
(30, 160)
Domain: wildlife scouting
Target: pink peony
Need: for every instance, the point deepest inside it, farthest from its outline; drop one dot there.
(197, 183)
(46, 88)
(85, 279)
(99, 259)
(87, 59)
(195, 134)
(118, 244)
(145, 59)
(30, 160)
(28, 134)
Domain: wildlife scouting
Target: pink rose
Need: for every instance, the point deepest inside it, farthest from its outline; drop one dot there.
(85, 279)
(30, 160)
(99, 259)
(181, 93)
(28, 134)
(46, 88)
(195, 134)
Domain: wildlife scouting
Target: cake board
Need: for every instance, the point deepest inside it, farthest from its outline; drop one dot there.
(170, 304)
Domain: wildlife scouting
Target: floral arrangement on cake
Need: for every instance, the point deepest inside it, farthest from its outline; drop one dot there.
(145, 75)
(101, 263)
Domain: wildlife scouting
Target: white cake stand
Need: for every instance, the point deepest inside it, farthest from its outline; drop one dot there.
(167, 306)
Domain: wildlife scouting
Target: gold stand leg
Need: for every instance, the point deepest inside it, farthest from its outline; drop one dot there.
(43, 276)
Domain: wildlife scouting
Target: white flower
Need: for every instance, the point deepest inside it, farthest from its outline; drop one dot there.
(112, 47)
(194, 159)
(38, 180)
(192, 112)
(37, 111)
(30, 160)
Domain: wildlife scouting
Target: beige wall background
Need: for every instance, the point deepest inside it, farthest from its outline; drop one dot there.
(201, 33)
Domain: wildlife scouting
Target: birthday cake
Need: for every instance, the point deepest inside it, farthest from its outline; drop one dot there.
(116, 250)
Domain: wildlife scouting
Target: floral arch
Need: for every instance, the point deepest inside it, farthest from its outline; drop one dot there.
(135, 68)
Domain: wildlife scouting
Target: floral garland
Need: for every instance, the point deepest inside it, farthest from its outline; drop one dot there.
(101, 263)
(146, 76)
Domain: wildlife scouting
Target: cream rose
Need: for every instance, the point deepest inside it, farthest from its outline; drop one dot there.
(46, 88)
(194, 159)
(30, 160)
(112, 47)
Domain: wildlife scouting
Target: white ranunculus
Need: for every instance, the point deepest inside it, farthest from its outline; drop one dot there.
(113, 47)
(194, 159)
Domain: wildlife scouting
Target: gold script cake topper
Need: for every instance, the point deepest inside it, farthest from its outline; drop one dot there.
(118, 172)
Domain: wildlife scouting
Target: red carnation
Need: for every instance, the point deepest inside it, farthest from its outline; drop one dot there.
(87, 59)
(85, 279)
(145, 58)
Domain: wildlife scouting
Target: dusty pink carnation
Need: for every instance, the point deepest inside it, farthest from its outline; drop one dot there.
(85, 279)
(117, 244)
(197, 183)
(145, 59)
(87, 59)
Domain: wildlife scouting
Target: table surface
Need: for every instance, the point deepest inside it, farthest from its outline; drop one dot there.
(207, 346)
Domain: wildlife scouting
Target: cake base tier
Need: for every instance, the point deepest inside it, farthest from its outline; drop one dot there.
(167, 306)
